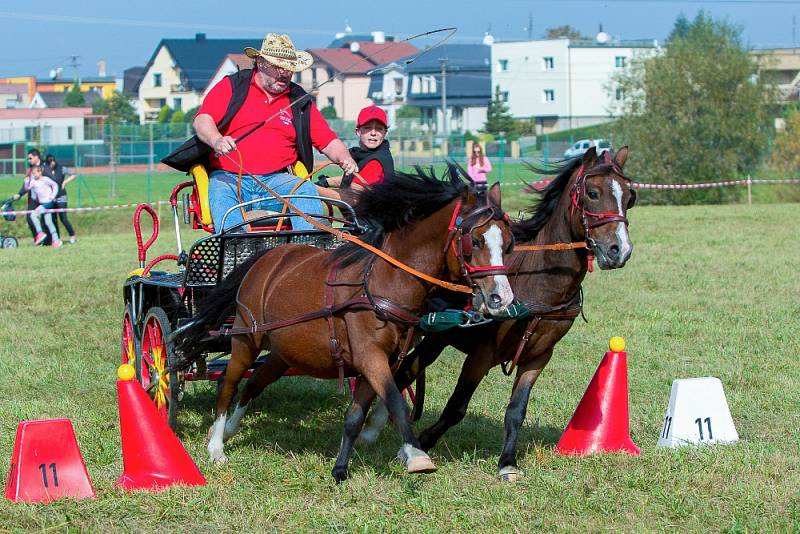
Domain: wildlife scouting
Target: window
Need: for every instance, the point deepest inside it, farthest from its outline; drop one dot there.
(619, 62)
(619, 94)
(330, 101)
(92, 128)
(32, 133)
(314, 77)
(502, 65)
(69, 133)
(398, 86)
(177, 104)
(549, 95)
(549, 63)
(162, 102)
(156, 79)
(504, 96)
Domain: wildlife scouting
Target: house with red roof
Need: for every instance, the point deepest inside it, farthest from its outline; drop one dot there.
(349, 59)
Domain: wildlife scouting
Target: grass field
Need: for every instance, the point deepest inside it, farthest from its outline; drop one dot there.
(709, 291)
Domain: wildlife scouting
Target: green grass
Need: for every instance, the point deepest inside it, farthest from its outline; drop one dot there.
(710, 291)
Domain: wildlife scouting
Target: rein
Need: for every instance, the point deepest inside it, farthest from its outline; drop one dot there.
(346, 236)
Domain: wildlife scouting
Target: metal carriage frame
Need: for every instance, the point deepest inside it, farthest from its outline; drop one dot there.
(158, 303)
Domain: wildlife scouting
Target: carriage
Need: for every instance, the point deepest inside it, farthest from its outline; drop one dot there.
(158, 303)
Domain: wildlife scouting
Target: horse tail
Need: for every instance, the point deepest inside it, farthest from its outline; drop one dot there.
(192, 341)
(419, 400)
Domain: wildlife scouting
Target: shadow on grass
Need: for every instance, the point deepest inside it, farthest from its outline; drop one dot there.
(306, 415)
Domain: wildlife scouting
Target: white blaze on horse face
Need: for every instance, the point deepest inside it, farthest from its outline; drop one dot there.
(624, 240)
(494, 242)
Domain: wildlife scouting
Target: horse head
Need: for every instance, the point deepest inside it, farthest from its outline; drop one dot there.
(480, 235)
(601, 195)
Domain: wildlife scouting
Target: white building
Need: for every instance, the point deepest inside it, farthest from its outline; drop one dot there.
(51, 126)
(562, 83)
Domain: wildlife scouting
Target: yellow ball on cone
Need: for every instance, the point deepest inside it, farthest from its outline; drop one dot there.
(126, 372)
(616, 344)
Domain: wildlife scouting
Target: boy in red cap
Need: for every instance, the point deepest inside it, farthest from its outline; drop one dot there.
(371, 155)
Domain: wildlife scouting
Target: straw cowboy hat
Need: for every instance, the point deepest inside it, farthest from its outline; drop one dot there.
(279, 50)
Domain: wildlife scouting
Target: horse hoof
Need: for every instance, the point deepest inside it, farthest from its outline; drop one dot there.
(217, 456)
(509, 474)
(219, 460)
(420, 464)
(339, 474)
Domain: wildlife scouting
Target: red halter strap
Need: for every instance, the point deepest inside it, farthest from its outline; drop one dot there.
(456, 233)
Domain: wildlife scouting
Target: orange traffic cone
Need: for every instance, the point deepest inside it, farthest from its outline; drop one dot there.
(46, 463)
(600, 422)
(153, 456)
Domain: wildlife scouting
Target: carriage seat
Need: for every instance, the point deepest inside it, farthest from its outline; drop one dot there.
(201, 208)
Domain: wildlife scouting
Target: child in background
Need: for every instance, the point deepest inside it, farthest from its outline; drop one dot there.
(372, 154)
(44, 190)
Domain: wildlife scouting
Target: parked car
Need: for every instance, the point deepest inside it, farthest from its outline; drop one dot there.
(585, 144)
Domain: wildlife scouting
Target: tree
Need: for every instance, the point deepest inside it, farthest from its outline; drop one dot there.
(179, 117)
(409, 112)
(566, 31)
(786, 151)
(74, 97)
(190, 115)
(117, 109)
(498, 118)
(164, 114)
(680, 30)
(696, 113)
(329, 112)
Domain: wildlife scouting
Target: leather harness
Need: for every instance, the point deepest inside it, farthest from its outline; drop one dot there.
(383, 307)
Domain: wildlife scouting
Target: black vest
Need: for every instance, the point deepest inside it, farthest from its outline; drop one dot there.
(362, 157)
(196, 151)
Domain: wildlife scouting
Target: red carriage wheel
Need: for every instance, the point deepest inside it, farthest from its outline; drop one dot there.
(155, 358)
(130, 338)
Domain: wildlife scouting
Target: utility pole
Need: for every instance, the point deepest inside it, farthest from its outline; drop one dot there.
(443, 62)
(530, 25)
(74, 63)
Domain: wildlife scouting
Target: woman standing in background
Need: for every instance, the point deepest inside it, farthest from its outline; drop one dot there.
(479, 166)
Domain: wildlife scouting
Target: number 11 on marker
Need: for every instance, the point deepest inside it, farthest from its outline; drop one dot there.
(43, 469)
(699, 422)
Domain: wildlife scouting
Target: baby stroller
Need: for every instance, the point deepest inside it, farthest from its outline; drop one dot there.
(7, 241)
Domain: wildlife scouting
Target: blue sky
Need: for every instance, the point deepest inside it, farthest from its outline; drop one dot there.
(37, 37)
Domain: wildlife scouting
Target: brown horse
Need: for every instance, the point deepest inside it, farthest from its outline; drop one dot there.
(370, 304)
(587, 202)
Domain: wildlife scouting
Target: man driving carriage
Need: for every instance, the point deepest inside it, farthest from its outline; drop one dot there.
(241, 102)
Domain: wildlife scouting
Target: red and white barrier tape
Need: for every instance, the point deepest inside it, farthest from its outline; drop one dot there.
(541, 184)
(708, 185)
(73, 210)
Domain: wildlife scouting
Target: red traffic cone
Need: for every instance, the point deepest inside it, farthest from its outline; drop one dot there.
(46, 463)
(600, 422)
(153, 456)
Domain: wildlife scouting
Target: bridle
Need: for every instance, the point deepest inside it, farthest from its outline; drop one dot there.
(589, 219)
(460, 230)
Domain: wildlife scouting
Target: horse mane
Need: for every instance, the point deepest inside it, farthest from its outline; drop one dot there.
(528, 228)
(402, 198)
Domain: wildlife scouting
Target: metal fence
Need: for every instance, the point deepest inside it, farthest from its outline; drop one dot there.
(145, 145)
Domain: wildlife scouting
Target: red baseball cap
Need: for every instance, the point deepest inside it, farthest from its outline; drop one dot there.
(370, 113)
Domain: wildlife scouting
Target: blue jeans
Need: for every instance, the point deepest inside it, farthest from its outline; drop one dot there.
(222, 195)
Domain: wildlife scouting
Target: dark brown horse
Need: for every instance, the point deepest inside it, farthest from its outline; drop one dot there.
(587, 201)
(370, 303)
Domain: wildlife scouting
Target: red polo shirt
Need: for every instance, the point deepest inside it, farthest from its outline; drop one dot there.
(271, 147)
